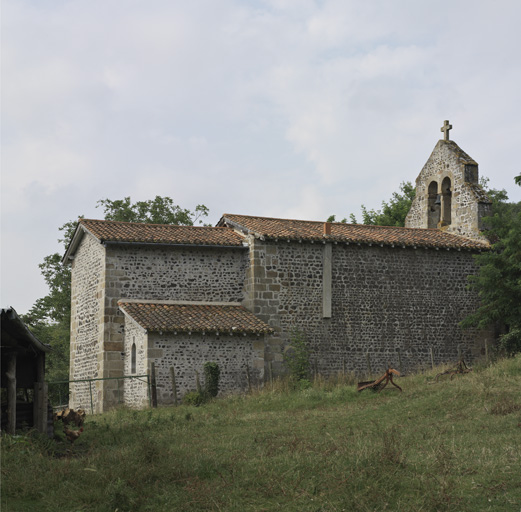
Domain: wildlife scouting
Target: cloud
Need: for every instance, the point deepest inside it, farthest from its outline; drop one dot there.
(297, 108)
(42, 161)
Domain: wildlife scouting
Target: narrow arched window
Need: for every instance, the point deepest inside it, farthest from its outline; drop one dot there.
(133, 359)
(433, 206)
(446, 195)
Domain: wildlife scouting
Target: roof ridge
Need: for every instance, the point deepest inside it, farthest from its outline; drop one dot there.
(276, 218)
(372, 226)
(275, 228)
(152, 224)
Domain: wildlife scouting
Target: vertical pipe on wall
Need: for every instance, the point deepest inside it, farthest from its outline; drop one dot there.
(326, 281)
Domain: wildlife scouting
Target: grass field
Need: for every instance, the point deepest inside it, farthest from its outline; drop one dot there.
(451, 445)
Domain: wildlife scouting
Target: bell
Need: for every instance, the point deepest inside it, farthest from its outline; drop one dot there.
(438, 200)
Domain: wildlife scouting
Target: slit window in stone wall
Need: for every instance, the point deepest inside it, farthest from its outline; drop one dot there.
(433, 205)
(446, 202)
(133, 359)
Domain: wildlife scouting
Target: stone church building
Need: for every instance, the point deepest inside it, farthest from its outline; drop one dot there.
(179, 296)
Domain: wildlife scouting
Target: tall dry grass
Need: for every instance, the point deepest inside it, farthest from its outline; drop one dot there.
(451, 445)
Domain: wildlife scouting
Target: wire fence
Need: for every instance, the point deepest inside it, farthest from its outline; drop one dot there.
(60, 390)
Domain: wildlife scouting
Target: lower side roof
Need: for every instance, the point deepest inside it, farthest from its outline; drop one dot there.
(169, 316)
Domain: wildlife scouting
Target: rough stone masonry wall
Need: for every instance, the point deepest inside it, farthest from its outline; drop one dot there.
(188, 353)
(135, 391)
(86, 347)
(163, 273)
(383, 300)
(389, 299)
(170, 273)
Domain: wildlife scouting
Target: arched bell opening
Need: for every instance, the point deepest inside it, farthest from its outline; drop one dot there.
(433, 205)
(446, 202)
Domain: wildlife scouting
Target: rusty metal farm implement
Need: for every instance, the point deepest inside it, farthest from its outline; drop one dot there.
(460, 367)
(378, 384)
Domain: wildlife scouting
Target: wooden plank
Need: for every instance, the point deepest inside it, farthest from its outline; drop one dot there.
(40, 406)
(11, 395)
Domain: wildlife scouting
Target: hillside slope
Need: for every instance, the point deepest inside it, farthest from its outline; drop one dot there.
(451, 445)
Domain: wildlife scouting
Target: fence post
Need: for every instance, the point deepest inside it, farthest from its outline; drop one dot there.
(248, 377)
(40, 406)
(154, 386)
(432, 357)
(197, 382)
(369, 369)
(174, 386)
(149, 391)
(90, 393)
(399, 360)
(270, 371)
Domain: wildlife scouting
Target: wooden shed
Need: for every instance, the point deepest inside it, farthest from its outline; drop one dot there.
(24, 392)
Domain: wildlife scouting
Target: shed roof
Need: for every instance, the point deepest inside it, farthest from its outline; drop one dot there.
(16, 336)
(169, 316)
(288, 229)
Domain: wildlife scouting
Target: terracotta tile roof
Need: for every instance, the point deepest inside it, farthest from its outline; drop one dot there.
(210, 318)
(114, 231)
(286, 229)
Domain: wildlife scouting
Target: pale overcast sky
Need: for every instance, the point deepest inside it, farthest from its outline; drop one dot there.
(279, 108)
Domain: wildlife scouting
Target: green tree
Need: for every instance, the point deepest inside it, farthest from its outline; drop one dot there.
(211, 375)
(393, 212)
(498, 280)
(50, 316)
(160, 210)
(297, 356)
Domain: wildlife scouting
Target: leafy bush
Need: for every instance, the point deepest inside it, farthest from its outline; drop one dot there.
(211, 375)
(296, 357)
(510, 343)
(304, 384)
(194, 398)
